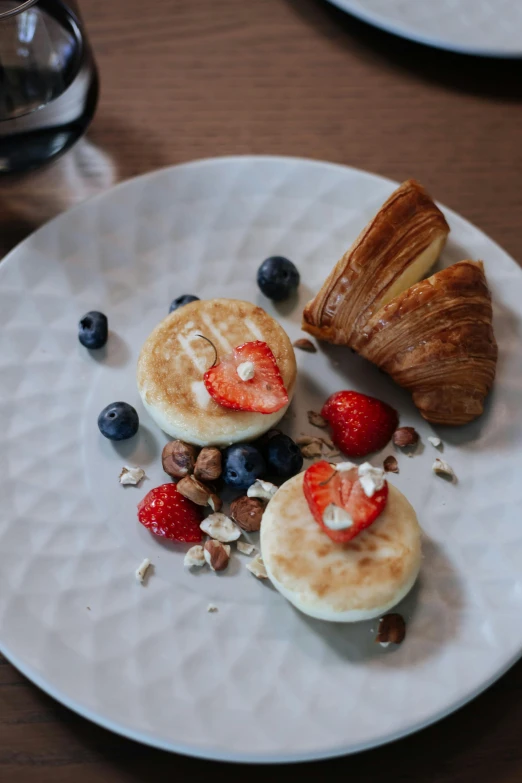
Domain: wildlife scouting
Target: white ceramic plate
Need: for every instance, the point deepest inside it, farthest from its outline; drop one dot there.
(256, 681)
(490, 28)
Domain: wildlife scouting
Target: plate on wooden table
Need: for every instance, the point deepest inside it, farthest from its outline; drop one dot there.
(256, 680)
(489, 28)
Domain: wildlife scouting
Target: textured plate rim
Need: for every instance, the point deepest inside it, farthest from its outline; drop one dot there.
(209, 752)
(410, 33)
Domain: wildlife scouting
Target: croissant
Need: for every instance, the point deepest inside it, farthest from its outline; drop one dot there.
(396, 249)
(433, 337)
(436, 339)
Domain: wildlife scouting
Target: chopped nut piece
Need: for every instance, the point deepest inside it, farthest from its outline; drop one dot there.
(405, 436)
(212, 608)
(316, 420)
(131, 476)
(392, 629)
(305, 345)
(195, 557)
(216, 554)
(141, 572)
(391, 465)
(263, 490)
(247, 512)
(436, 442)
(220, 527)
(208, 464)
(257, 567)
(307, 440)
(311, 450)
(442, 468)
(245, 548)
(193, 490)
(215, 502)
(178, 459)
(328, 443)
(312, 446)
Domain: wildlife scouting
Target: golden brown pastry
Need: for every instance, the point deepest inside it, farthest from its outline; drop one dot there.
(395, 250)
(436, 339)
(433, 337)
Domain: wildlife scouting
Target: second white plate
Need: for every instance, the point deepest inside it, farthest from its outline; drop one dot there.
(489, 28)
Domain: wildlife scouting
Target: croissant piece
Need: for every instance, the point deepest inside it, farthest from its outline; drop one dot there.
(397, 248)
(436, 339)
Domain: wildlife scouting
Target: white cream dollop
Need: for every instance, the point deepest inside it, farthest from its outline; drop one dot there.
(246, 371)
(336, 518)
(371, 478)
(344, 466)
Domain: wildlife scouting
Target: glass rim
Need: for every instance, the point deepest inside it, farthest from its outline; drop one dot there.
(17, 9)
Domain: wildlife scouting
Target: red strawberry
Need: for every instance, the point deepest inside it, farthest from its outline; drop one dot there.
(264, 393)
(324, 485)
(167, 513)
(360, 424)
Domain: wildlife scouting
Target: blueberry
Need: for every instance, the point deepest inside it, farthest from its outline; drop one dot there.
(242, 465)
(118, 421)
(278, 278)
(283, 456)
(182, 300)
(93, 330)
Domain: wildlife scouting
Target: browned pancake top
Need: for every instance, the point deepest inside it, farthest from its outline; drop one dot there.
(174, 359)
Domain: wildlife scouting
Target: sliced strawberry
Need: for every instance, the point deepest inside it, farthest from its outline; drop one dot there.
(325, 486)
(264, 393)
(360, 424)
(165, 512)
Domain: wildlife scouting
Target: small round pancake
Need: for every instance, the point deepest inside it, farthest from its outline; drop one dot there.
(174, 360)
(340, 582)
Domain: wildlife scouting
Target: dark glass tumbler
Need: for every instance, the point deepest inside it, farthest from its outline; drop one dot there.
(48, 82)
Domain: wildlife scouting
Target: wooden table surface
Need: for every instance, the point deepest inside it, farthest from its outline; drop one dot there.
(185, 79)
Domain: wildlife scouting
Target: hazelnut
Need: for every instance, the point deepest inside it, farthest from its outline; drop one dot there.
(208, 464)
(305, 345)
(405, 436)
(247, 513)
(178, 459)
(193, 490)
(391, 465)
(392, 629)
(216, 554)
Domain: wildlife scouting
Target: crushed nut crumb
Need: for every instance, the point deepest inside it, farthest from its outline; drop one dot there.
(316, 420)
(131, 476)
(305, 345)
(141, 571)
(391, 465)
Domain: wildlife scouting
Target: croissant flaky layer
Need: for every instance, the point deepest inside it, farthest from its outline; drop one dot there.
(434, 337)
(396, 249)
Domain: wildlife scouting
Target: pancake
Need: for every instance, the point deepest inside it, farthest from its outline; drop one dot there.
(348, 582)
(173, 361)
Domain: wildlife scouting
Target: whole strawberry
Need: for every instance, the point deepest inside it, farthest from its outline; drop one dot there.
(165, 512)
(360, 424)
